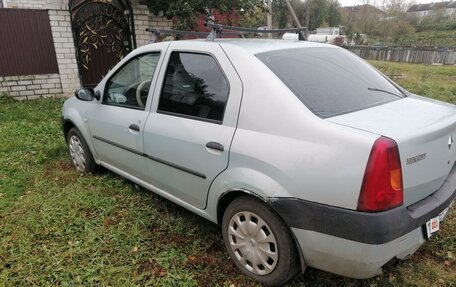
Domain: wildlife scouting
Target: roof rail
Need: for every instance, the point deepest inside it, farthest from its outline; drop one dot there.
(157, 32)
(218, 30)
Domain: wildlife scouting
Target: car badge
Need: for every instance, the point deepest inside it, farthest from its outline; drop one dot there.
(450, 141)
(416, 158)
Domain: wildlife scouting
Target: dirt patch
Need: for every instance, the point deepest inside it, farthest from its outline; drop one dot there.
(214, 267)
(151, 267)
(60, 171)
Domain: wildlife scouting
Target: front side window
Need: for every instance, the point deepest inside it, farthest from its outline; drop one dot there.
(194, 87)
(130, 86)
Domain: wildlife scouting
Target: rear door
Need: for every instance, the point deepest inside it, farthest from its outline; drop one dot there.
(193, 118)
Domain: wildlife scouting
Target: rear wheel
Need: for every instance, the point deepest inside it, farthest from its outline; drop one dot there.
(80, 153)
(259, 242)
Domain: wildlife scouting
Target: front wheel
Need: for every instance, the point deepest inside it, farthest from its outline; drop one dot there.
(259, 242)
(80, 153)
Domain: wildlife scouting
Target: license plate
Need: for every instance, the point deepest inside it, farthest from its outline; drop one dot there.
(433, 225)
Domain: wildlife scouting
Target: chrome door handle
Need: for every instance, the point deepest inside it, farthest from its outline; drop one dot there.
(215, 145)
(134, 127)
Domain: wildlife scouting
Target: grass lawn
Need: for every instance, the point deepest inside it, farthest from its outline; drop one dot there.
(431, 39)
(59, 228)
(434, 81)
(445, 38)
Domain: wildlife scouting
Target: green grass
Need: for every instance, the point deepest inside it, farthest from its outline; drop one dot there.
(434, 81)
(424, 39)
(431, 39)
(58, 228)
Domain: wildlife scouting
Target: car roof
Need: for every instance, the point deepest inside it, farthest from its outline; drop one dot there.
(254, 46)
(257, 46)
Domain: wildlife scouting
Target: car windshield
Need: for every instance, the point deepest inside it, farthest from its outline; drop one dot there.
(330, 81)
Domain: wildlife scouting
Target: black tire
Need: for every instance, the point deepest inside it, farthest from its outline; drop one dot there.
(279, 267)
(78, 149)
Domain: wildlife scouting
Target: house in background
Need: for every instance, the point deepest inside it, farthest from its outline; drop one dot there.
(440, 9)
(358, 12)
(364, 17)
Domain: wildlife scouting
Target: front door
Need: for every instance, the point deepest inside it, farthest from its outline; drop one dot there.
(193, 119)
(117, 125)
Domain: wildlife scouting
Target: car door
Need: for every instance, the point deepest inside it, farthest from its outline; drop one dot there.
(193, 118)
(117, 124)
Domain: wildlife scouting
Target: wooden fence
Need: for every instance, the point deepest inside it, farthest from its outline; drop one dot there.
(445, 56)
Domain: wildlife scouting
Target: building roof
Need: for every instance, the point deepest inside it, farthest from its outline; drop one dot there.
(359, 8)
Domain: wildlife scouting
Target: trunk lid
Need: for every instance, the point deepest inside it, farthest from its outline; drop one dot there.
(425, 132)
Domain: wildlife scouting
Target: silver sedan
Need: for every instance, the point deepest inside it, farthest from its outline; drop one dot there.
(302, 152)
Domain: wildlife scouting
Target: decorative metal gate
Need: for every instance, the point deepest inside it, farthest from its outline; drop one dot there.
(103, 36)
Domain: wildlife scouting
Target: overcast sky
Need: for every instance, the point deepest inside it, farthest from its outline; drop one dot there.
(379, 2)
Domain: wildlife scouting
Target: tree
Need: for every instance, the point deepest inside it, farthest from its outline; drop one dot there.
(323, 11)
(280, 14)
(320, 11)
(334, 17)
(187, 11)
(394, 27)
(254, 18)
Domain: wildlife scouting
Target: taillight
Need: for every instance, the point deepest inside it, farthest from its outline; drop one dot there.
(382, 183)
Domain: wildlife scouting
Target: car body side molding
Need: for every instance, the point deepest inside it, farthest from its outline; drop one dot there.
(170, 164)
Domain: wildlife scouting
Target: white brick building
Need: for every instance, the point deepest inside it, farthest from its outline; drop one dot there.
(67, 78)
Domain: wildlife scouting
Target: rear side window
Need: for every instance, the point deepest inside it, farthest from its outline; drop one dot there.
(330, 81)
(194, 87)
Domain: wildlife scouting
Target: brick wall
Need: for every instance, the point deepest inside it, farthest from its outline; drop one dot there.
(144, 19)
(65, 51)
(38, 4)
(32, 86)
(68, 77)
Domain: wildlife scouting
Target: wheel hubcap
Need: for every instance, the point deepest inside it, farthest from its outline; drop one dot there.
(253, 243)
(77, 153)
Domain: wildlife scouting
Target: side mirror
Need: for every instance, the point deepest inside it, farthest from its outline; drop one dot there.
(84, 94)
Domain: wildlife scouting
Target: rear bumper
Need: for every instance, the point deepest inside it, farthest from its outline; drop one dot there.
(369, 228)
(354, 259)
(357, 244)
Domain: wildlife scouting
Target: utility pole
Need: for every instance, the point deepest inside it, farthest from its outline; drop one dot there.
(295, 18)
(307, 13)
(269, 18)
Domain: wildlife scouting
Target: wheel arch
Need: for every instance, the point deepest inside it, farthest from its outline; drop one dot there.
(72, 119)
(67, 125)
(229, 196)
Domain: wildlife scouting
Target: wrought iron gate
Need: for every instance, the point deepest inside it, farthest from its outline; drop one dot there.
(103, 36)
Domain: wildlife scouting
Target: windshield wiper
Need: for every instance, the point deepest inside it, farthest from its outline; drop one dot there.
(384, 91)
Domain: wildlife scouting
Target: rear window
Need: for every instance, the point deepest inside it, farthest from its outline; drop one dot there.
(330, 81)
